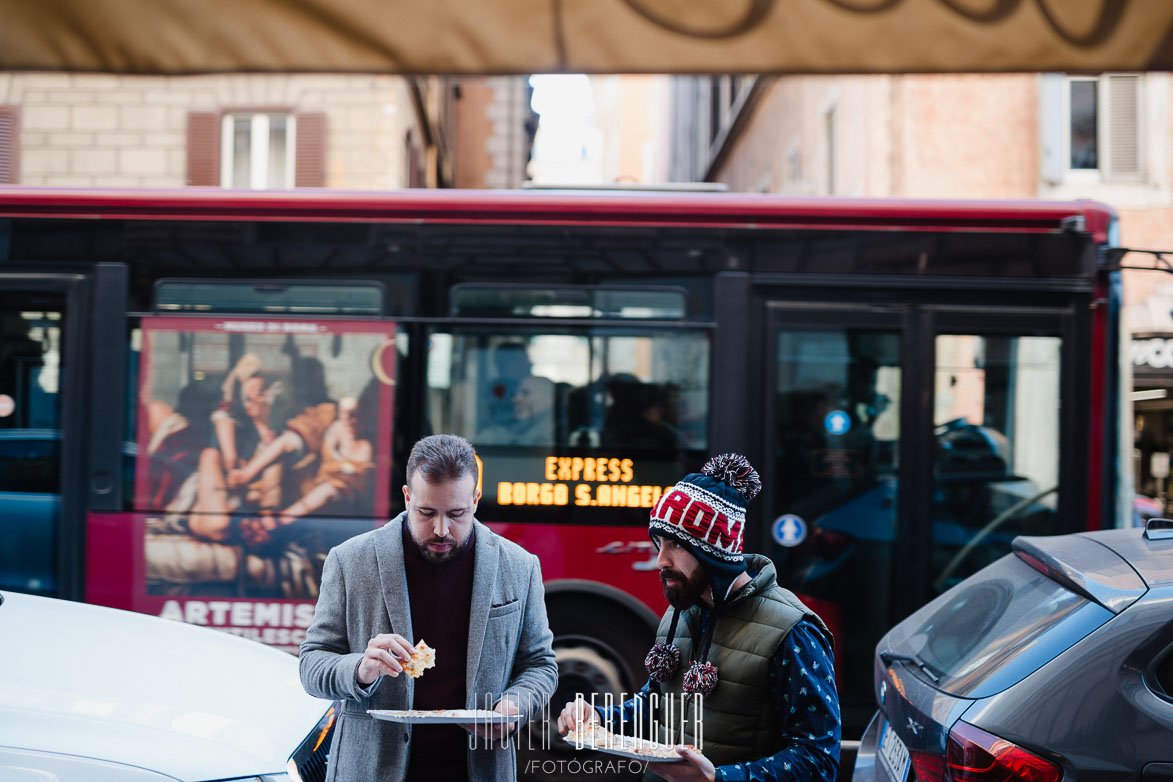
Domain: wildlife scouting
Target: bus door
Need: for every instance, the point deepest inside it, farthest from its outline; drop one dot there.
(906, 447)
(831, 476)
(39, 431)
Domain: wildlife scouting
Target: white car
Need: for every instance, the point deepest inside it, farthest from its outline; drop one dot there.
(96, 694)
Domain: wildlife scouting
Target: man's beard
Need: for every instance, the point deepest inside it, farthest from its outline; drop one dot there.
(440, 557)
(689, 590)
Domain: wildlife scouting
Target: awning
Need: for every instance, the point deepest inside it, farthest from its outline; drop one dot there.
(592, 36)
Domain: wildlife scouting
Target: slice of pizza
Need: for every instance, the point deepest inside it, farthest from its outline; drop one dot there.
(422, 658)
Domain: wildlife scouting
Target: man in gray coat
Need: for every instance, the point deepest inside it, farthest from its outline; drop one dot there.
(432, 573)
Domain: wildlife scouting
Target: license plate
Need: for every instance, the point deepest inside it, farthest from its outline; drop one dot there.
(894, 754)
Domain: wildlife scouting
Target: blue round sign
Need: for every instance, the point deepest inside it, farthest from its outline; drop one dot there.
(789, 530)
(837, 422)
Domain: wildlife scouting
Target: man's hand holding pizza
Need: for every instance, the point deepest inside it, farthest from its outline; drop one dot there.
(385, 654)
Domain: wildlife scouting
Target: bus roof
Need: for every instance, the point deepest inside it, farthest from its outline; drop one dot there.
(548, 207)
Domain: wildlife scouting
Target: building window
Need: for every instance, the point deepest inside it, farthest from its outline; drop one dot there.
(9, 145)
(1084, 136)
(1093, 128)
(1106, 137)
(259, 150)
(1104, 120)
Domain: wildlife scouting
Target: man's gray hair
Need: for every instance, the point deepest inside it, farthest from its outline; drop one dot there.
(441, 458)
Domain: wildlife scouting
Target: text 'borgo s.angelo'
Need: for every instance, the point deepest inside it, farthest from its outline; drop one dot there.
(585, 481)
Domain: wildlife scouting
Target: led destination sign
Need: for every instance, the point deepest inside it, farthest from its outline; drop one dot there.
(583, 481)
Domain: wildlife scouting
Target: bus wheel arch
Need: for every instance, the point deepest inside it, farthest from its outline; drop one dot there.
(601, 636)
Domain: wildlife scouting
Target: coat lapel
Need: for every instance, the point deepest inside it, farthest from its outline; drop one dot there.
(484, 578)
(393, 575)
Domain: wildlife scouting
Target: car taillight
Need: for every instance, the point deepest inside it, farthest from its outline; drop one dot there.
(927, 767)
(976, 756)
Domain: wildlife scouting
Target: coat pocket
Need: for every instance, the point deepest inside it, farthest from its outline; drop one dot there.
(502, 634)
(505, 609)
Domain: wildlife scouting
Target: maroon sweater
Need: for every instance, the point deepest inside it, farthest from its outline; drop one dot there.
(440, 597)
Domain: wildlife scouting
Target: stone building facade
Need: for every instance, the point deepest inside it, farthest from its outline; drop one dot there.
(257, 131)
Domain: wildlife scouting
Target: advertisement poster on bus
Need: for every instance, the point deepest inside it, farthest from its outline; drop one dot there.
(262, 443)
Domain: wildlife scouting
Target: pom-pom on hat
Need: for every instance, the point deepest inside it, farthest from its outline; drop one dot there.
(706, 512)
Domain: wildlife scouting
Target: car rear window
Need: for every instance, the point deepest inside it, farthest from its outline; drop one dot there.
(995, 628)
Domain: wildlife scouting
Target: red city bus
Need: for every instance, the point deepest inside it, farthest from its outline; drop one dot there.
(201, 391)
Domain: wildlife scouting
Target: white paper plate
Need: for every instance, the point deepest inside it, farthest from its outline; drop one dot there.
(623, 753)
(445, 716)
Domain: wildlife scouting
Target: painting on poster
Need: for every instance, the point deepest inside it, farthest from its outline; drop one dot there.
(255, 436)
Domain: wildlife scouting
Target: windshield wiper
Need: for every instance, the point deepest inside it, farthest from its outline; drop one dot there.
(895, 657)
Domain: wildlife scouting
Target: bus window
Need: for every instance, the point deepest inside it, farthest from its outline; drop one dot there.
(644, 393)
(271, 297)
(31, 341)
(511, 301)
(506, 390)
(996, 468)
(30, 463)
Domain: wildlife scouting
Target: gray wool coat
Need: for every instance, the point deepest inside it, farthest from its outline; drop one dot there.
(364, 593)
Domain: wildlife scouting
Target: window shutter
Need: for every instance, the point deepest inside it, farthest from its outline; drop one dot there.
(203, 148)
(1123, 131)
(9, 145)
(310, 165)
(1054, 127)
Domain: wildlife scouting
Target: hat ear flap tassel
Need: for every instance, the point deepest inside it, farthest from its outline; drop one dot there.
(701, 676)
(663, 660)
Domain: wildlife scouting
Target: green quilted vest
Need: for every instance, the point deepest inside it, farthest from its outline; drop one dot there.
(739, 721)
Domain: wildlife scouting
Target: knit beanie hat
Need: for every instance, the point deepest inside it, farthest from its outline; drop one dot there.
(706, 512)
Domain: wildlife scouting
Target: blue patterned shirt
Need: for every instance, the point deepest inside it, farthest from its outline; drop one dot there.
(802, 683)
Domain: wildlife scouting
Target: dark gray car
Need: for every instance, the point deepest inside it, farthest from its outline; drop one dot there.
(1055, 662)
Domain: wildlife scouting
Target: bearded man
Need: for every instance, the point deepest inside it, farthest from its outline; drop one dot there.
(736, 654)
(433, 573)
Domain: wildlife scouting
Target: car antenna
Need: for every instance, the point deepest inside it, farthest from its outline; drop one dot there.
(1159, 529)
